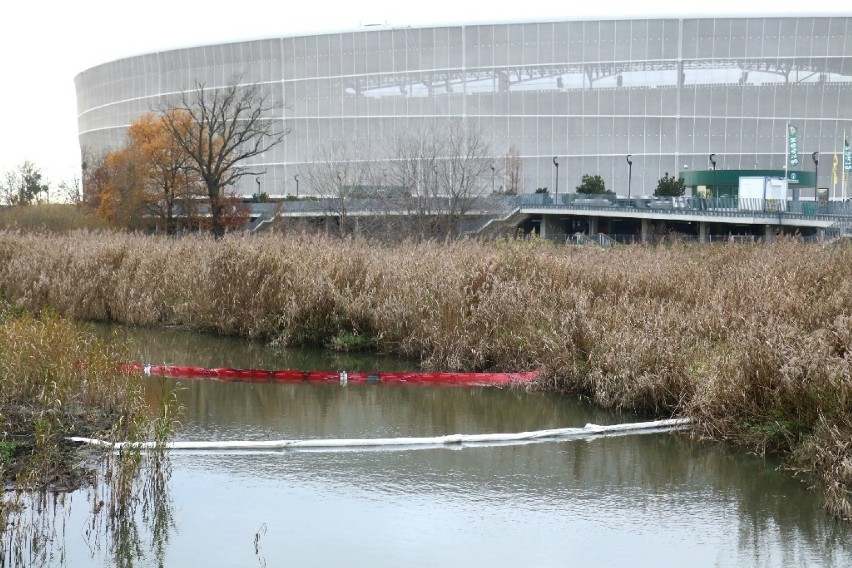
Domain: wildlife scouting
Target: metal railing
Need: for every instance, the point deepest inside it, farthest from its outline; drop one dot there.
(719, 206)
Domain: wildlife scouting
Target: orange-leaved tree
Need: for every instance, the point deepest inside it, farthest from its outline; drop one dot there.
(170, 186)
(148, 183)
(121, 196)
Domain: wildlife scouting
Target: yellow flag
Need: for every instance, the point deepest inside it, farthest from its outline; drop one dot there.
(835, 169)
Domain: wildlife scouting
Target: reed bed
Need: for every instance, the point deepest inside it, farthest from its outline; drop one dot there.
(754, 342)
(58, 380)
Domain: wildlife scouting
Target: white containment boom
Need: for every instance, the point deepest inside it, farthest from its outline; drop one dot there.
(588, 431)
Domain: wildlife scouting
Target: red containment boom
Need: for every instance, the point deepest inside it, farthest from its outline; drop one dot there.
(291, 376)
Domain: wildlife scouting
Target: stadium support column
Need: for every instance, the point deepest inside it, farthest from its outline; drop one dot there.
(702, 232)
(646, 231)
(593, 226)
(768, 233)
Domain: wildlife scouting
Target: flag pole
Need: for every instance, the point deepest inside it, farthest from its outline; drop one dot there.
(786, 150)
(834, 175)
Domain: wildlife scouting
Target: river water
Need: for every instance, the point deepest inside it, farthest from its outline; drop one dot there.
(643, 500)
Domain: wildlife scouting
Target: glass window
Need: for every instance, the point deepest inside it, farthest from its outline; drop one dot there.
(606, 41)
(837, 39)
(668, 100)
(671, 39)
(653, 106)
(782, 98)
(733, 136)
(546, 103)
(530, 45)
(590, 138)
(687, 100)
(486, 48)
(427, 48)
(515, 44)
(622, 32)
(718, 98)
(620, 101)
(766, 100)
(691, 32)
(635, 135)
(575, 42)
(359, 53)
(638, 37)
(545, 43)
(655, 39)
(442, 55)
(637, 100)
(734, 101)
(771, 36)
(455, 44)
(544, 134)
(471, 47)
(754, 38)
(559, 126)
(722, 38)
(819, 37)
(750, 100)
(605, 135)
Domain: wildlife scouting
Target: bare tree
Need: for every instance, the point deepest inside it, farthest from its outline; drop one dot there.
(414, 167)
(339, 175)
(95, 176)
(225, 128)
(463, 173)
(512, 166)
(71, 190)
(446, 168)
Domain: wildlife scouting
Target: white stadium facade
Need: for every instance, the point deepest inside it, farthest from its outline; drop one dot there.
(667, 91)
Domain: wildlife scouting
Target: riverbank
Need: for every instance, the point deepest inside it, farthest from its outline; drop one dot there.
(752, 342)
(59, 380)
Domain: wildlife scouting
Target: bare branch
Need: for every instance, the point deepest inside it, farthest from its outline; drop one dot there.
(221, 129)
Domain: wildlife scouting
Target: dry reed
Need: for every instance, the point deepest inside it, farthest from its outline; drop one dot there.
(58, 380)
(754, 342)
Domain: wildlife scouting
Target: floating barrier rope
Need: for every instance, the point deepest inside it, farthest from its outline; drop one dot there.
(291, 376)
(458, 440)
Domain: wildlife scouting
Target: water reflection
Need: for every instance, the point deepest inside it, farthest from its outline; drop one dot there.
(177, 347)
(659, 499)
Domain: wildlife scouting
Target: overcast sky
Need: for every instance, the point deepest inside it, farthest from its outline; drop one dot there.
(44, 44)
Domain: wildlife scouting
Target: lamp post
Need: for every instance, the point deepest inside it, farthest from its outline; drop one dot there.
(713, 166)
(257, 179)
(492, 179)
(556, 163)
(815, 157)
(629, 173)
(296, 178)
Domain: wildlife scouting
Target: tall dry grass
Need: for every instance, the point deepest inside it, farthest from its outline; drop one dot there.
(754, 342)
(50, 217)
(58, 380)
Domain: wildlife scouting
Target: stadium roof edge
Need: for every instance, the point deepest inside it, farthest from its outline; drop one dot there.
(454, 24)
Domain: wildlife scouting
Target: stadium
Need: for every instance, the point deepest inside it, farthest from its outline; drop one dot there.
(585, 95)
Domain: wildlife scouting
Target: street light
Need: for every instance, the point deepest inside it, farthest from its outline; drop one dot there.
(556, 163)
(257, 179)
(296, 177)
(492, 179)
(713, 165)
(815, 157)
(629, 173)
